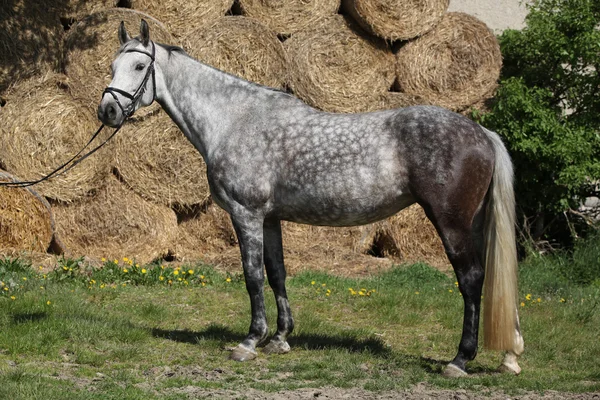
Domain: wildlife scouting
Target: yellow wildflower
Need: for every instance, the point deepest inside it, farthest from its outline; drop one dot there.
(228, 279)
(539, 300)
(6, 289)
(191, 271)
(175, 272)
(528, 297)
(456, 284)
(170, 282)
(65, 268)
(416, 292)
(103, 259)
(522, 304)
(324, 284)
(562, 300)
(24, 278)
(203, 284)
(41, 267)
(450, 291)
(48, 302)
(312, 283)
(13, 298)
(144, 270)
(162, 278)
(102, 286)
(116, 261)
(125, 270)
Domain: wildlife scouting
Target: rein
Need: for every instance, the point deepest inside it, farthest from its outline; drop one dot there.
(127, 112)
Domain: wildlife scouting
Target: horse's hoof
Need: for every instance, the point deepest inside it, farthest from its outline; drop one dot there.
(512, 369)
(241, 353)
(452, 371)
(276, 347)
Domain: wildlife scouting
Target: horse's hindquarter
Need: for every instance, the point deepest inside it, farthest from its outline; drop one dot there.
(339, 170)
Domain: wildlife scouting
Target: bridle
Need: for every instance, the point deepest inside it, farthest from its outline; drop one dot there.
(135, 97)
(127, 112)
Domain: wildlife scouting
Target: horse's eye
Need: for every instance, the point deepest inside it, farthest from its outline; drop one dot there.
(139, 67)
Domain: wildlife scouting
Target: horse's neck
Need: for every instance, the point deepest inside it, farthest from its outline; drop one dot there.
(203, 101)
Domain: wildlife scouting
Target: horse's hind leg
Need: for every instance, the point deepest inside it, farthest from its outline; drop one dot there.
(461, 241)
(509, 363)
(273, 254)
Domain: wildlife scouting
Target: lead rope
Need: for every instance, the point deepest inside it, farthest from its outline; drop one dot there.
(127, 112)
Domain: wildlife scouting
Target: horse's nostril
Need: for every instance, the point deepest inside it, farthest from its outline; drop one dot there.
(111, 112)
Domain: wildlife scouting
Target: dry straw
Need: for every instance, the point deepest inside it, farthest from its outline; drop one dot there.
(337, 68)
(42, 126)
(90, 48)
(243, 47)
(30, 40)
(116, 223)
(78, 9)
(396, 19)
(393, 100)
(184, 16)
(156, 161)
(26, 221)
(454, 65)
(287, 17)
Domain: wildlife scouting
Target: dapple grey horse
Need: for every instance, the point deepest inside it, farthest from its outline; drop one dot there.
(270, 157)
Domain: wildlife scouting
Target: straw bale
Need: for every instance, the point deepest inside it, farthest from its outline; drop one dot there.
(116, 223)
(78, 9)
(408, 236)
(90, 47)
(209, 236)
(454, 65)
(42, 126)
(392, 100)
(287, 17)
(157, 162)
(30, 40)
(337, 68)
(241, 46)
(26, 221)
(184, 16)
(396, 19)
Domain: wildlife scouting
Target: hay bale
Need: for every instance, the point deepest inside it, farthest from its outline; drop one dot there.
(393, 100)
(408, 236)
(157, 162)
(184, 16)
(116, 223)
(26, 221)
(243, 47)
(42, 127)
(208, 236)
(287, 17)
(90, 47)
(396, 19)
(337, 68)
(30, 40)
(77, 9)
(454, 65)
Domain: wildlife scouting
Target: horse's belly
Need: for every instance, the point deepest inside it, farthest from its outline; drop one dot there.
(338, 211)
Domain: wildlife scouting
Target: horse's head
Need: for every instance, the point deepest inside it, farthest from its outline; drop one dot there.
(134, 83)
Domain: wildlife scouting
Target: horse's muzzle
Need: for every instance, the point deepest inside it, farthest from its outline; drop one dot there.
(109, 113)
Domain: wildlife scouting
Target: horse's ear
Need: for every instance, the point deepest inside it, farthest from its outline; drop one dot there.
(145, 32)
(123, 35)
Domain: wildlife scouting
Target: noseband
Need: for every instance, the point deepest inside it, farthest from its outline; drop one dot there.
(134, 98)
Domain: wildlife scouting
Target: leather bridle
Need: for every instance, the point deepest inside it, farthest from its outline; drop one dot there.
(127, 112)
(135, 97)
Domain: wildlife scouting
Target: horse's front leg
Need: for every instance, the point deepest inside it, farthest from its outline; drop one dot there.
(249, 230)
(273, 250)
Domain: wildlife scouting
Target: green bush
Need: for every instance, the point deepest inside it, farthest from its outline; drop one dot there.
(547, 108)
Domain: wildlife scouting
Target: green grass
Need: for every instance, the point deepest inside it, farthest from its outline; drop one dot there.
(84, 333)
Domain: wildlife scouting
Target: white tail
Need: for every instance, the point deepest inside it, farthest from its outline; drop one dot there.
(500, 287)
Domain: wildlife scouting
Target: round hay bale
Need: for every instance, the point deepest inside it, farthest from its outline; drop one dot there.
(408, 236)
(208, 236)
(90, 47)
(243, 47)
(116, 223)
(156, 161)
(26, 221)
(396, 19)
(77, 9)
(43, 126)
(393, 100)
(338, 69)
(286, 17)
(454, 65)
(184, 16)
(30, 40)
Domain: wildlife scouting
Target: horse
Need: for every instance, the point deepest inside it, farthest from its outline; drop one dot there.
(271, 157)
